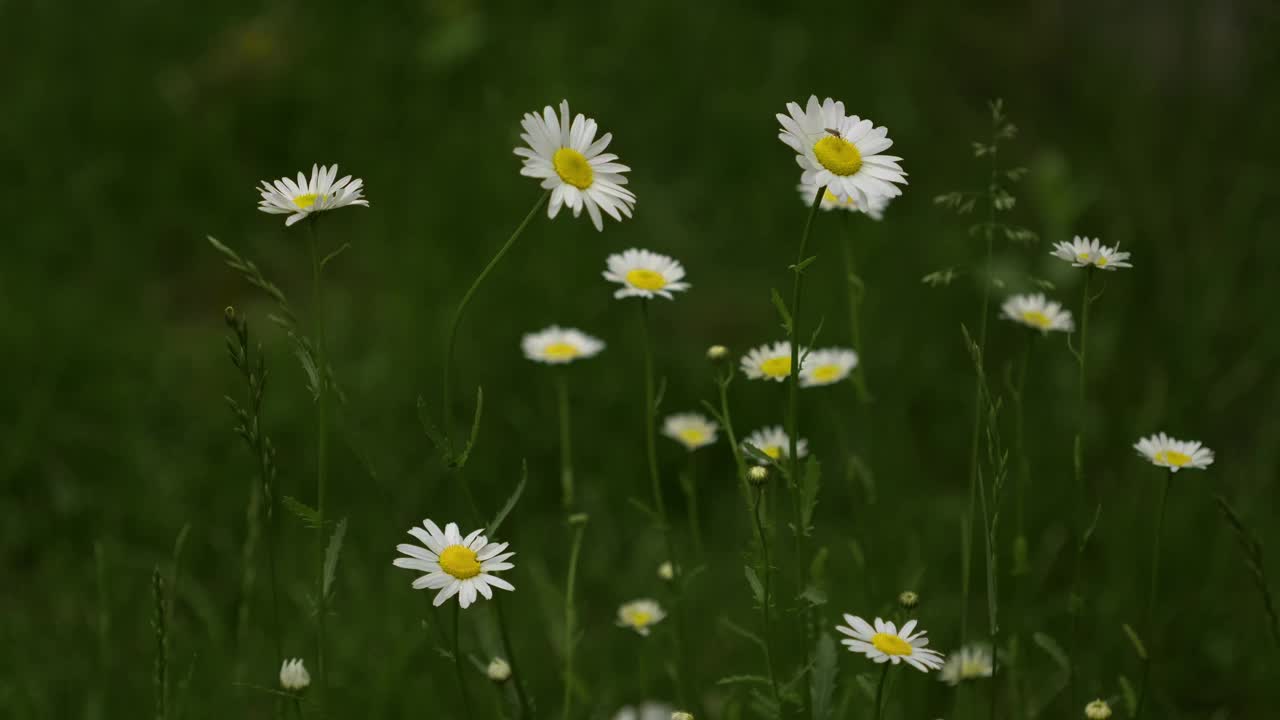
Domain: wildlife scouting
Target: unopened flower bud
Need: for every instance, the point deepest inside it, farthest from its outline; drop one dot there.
(667, 571)
(499, 670)
(716, 353)
(229, 314)
(294, 676)
(681, 716)
(758, 474)
(1097, 710)
(908, 600)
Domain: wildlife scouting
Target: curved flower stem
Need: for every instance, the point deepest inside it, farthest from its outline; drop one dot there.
(457, 662)
(570, 620)
(884, 675)
(566, 440)
(764, 607)
(1077, 499)
(322, 444)
(526, 708)
(466, 300)
(1149, 620)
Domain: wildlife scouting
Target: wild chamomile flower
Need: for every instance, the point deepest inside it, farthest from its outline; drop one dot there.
(769, 362)
(1164, 451)
(1036, 311)
(304, 197)
(830, 201)
(1083, 252)
(827, 367)
(646, 711)
(970, 662)
(294, 676)
(454, 564)
(841, 152)
(640, 615)
(886, 643)
(645, 274)
(690, 430)
(558, 346)
(573, 165)
(774, 442)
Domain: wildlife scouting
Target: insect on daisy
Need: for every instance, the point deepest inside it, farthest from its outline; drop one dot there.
(690, 430)
(770, 362)
(774, 442)
(454, 564)
(640, 615)
(827, 367)
(841, 152)
(304, 197)
(1035, 311)
(970, 662)
(645, 274)
(1164, 451)
(558, 346)
(830, 201)
(886, 643)
(573, 165)
(1083, 252)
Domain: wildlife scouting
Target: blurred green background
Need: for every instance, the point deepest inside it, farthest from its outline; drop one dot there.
(131, 130)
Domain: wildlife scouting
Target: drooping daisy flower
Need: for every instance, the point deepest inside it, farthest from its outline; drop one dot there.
(827, 367)
(647, 711)
(971, 662)
(454, 564)
(645, 274)
(690, 430)
(1097, 710)
(830, 201)
(558, 346)
(841, 152)
(886, 643)
(1164, 451)
(640, 615)
(294, 676)
(1035, 311)
(774, 442)
(1083, 252)
(769, 362)
(573, 165)
(304, 197)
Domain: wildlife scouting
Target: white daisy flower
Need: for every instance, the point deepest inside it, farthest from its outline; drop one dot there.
(573, 165)
(841, 152)
(970, 662)
(886, 643)
(454, 564)
(690, 430)
(640, 615)
(1164, 451)
(646, 711)
(1035, 311)
(1083, 252)
(294, 676)
(558, 346)
(827, 367)
(769, 362)
(645, 274)
(774, 442)
(304, 197)
(830, 201)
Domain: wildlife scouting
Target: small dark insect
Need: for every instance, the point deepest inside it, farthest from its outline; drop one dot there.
(835, 132)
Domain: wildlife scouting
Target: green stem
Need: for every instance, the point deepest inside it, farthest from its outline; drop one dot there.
(1020, 434)
(884, 675)
(1077, 499)
(689, 483)
(297, 706)
(566, 440)
(739, 463)
(854, 291)
(322, 460)
(768, 625)
(1149, 620)
(466, 300)
(457, 661)
(570, 620)
(526, 708)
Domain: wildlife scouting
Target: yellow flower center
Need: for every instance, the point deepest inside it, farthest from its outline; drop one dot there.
(970, 668)
(560, 351)
(305, 202)
(573, 168)
(827, 373)
(1037, 318)
(646, 279)
(777, 366)
(773, 451)
(838, 155)
(1173, 458)
(1102, 261)
(1083, 257)
(460, 562)
(638, 618)
(692, 436)
(891, 644)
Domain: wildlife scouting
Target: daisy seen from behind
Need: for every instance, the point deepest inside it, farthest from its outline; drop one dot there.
(303, 197)
(1037, 312)
(645, 274)
(1085, 252)
(691, 430)
(775, 443)
(1166, 452)
(294, 676)
(769, 362)
(830, 201)
(572, 164)
(558, 346)
(971, 662)
(884, 642)
(827, 367)
(455, 565)
(640, 615)
(841, 152)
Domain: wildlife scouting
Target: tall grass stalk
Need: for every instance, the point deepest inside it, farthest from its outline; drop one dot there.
(322, 451)
(579, 525)
(566, 440)
(1148, 622)
(1075, 602)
